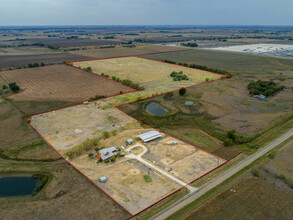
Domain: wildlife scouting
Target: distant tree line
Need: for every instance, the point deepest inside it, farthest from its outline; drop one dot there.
(196, 66)
(266, 88)
(189, 44)
(53, 47)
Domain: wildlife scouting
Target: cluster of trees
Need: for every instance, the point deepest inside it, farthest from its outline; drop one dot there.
(97, 97)
(34, 65)
(231, 138)
(81, 148)
(266, 88)
(125, 81)
(178, 76)
(14, 87)
(189, 44)
(196, 66)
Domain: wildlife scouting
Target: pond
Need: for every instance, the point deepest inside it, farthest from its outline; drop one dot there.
(155, 109)
(18, 186)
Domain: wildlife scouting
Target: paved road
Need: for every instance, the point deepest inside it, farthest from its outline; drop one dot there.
(138, 157)
(205, 188)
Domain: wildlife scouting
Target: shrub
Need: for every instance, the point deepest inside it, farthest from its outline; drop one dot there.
(106, 134)
(70, 154)
(97, 149)
(114, 132)
(168, 95)
(228, 142)
(106, 161)
(255, 173)
(4, 87)
(90, 154)
(147, 178)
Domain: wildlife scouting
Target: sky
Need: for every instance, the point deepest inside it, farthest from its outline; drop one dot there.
(146, 12)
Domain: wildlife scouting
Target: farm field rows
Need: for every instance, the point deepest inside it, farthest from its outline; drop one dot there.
(61, 82)
(160, 172)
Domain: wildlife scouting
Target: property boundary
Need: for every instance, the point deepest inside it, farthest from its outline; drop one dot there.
(224, 76)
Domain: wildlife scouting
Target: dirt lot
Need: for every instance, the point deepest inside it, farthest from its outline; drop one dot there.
(13, 61)
(69, 127)
(126, 182)
(185, 161)
(60, 82)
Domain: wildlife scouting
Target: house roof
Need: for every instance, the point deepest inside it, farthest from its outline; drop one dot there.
(107, 152)
(148, 136)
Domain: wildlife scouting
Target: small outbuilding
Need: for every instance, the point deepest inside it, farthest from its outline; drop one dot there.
(189, 103)
(103, 179)
(260, 97)
(149, 136)
(122, 147)
(174, 143)
(129, 142)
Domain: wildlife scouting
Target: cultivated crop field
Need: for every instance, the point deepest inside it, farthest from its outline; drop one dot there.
(61, 82)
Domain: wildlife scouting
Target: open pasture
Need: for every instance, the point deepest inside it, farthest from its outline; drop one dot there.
(148, 73)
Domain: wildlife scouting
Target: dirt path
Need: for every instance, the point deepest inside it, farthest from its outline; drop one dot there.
(139, 158)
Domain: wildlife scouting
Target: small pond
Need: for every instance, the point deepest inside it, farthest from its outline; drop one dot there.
(18, 186)
(155, 109)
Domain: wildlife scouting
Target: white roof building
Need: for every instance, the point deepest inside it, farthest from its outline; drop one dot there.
(149, 136)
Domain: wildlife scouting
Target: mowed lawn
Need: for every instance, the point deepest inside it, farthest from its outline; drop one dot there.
(140, 70)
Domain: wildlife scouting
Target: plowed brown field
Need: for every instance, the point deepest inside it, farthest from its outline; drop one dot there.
(60, 83)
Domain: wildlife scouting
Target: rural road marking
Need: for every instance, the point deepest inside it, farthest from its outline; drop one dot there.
(213, 183)
(138, 157)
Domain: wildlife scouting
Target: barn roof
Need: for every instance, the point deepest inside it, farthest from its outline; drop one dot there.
(148, 136)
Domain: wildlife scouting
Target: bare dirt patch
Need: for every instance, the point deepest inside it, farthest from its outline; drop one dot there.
(126, 183)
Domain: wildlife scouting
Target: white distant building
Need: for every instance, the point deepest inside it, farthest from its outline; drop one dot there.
(149, 136)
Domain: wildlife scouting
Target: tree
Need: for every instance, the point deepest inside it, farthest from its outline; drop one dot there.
(14, 87)
(182, 91)
(231, 135)
(90, 155)
(4, 87)
(70, 154)
(97, 149)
